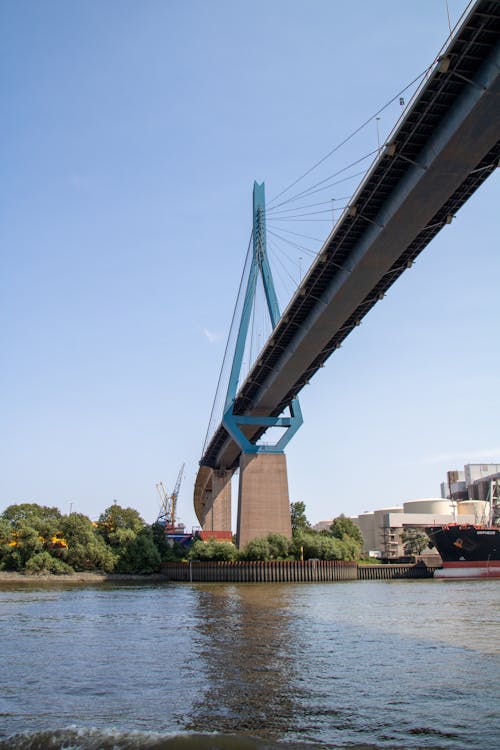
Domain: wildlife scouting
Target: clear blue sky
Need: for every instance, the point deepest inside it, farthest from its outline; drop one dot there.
(130, 138)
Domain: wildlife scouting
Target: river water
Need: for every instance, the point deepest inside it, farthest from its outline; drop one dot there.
(389, 664)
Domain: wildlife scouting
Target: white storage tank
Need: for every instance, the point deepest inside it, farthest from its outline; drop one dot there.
(477, 508)
(434, 506)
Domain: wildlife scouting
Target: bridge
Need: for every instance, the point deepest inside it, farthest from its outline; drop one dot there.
(442, 150)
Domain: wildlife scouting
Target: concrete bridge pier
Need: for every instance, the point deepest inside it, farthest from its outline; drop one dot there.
(263, 501)
(217, 501)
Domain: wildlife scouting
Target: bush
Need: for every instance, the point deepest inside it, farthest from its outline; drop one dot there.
(343, 526)
(212, 550)
(324, 547)
(270, 547)
(27, 543)
(43, 562)
(141, 556)
(279, 547)
(86, 549)
(256, 549)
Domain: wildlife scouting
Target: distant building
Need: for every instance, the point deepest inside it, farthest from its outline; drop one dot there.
(382, 529)
(464, 497)
(479, 472)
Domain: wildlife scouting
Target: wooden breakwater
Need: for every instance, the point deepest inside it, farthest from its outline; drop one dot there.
(289, 571)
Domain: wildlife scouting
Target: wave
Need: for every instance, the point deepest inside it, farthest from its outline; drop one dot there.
(98, 739)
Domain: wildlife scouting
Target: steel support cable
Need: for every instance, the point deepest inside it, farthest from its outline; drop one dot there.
(297, 219)
(361, 173)
(294, 244)
(319, 190)
(277, 249)
(414, 128)
(333, 184)
(252, 340)
(310, 254)
(367, 304)
(351, 135)
(227, 343)
(252, 330)
(313, 189)
(444, 81)
(284, 285)
(391, 101)
(381, 178)
(293, 280)
(346, 231)
(325, 266)
(311, 205)
(279, 217)
(298, 234)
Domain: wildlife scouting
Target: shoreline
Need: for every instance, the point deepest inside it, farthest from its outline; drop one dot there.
(83, 577)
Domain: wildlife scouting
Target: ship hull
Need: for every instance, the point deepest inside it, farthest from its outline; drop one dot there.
(467, 551)
(484, 569)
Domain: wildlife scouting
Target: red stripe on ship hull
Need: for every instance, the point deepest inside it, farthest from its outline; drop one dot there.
(464, 569)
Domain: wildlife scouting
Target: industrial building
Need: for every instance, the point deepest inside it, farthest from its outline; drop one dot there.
(464, 497)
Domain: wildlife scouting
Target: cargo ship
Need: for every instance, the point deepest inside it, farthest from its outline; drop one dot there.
(467, 550)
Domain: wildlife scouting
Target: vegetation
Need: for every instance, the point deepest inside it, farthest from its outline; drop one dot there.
(270, 547)
(86, 550)
(212, 550)
(298, 517)
(414, 541)
(343, 528)
(43, 562)
(342, 542)
(38, 539)
(318, 546)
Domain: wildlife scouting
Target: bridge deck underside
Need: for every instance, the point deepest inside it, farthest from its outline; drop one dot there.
(443, 150)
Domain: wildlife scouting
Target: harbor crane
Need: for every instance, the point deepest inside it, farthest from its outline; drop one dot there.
(168, 506)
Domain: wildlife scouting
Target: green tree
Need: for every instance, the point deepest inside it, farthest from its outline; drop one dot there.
(86, 549)
(312, 545)
(40, 517)
(141, 555)
(414, 541)
(270, 547)
(161, 543)
(351, 549)
(119, 527)
(25, 542)
(27, 529)
(169, 551)
(5, 540)
(256, 549)
(323, 546)
(298, 517)
(343, 526)
(279, 547)
(212, 550)
(115, 519)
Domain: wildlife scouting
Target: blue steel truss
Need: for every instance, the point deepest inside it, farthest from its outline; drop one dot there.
(260, 264)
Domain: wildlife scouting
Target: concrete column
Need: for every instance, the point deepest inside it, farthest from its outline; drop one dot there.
(218, 502)
(263, 502)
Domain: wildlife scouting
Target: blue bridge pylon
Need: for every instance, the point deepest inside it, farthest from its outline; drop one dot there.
(234, 422)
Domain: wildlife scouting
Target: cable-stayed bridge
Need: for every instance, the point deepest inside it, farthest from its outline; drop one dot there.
(444, 147)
